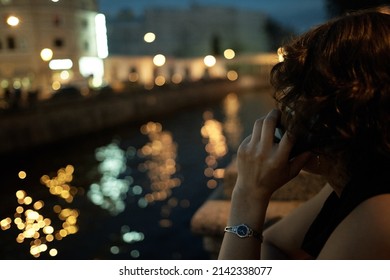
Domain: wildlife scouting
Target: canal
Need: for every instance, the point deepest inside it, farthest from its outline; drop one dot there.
(124, 193)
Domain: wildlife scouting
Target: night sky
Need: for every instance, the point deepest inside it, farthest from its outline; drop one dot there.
(300, 14)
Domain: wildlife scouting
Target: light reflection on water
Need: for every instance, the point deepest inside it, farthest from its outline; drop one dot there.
(232, 127)
(36, 229)
(160, 163)
(216, 143)
(116, 188)
(216, 147)
(110, 192)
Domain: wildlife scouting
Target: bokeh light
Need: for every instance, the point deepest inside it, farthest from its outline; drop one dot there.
(111, 191)
(229, 54)
(46, 54)
(30, 215)
(209, 60)
(13, 21)
(159, 60)
(216, 147)
(149, 37)
(22, 174)
(160, 154)
(232, 75)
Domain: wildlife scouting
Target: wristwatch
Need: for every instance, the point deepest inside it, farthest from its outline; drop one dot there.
(243, 231)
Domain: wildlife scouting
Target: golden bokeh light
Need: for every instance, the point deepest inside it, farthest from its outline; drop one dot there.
(53, 252)
(34, 227)
(160, 165)
(177, 78)
(20, 194)
(22, 175)
(160, 81)
(133, 77)
(56, 85)
(59, 185)
(215, 146)
(229, 54)
(232, 126)
(5, 223)
(232, 75)
(159, 60)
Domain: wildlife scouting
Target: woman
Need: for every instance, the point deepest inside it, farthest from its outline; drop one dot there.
(333, 95)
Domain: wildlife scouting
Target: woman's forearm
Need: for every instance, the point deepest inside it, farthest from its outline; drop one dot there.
(251, 212)
(263, 167)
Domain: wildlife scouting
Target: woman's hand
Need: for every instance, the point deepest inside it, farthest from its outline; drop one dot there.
(264, 166)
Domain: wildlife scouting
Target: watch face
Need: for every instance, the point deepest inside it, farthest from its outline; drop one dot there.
(242, 231)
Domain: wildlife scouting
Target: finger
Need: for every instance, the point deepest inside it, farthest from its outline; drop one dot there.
(244, 144)
(298, 163)
(256, 132)
(246, 140)
(268, 129)
(285, 146)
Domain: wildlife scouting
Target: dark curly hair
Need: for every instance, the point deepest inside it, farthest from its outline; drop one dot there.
(333, 87)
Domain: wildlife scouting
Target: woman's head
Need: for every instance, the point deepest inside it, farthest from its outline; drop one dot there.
(333, 86)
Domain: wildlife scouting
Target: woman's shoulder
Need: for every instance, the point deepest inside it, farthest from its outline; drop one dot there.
(363, 234)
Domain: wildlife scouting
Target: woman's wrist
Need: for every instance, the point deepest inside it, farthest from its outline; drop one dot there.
(248, 209)
(255, 195)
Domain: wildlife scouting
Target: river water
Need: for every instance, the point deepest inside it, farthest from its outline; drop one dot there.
(125, 193)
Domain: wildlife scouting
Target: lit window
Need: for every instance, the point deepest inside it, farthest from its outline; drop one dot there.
(60, 64)
(101, 35)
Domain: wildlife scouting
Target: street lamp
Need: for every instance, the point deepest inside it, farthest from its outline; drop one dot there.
(229, 54)
(210, 60)
(159, 60)
(13, 21)
(149, 37)
(46, 54)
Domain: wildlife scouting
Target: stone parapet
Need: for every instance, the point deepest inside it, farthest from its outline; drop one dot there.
(211, 219)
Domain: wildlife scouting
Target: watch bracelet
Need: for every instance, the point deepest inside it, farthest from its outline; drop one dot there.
(252, 233)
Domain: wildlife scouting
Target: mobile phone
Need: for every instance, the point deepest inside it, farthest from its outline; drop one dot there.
(300, 146)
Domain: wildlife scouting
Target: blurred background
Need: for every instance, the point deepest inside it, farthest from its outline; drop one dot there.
(119, 119)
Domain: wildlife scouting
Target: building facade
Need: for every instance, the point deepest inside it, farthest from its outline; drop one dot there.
(45, 44)
(186, 40)
(194, 32)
